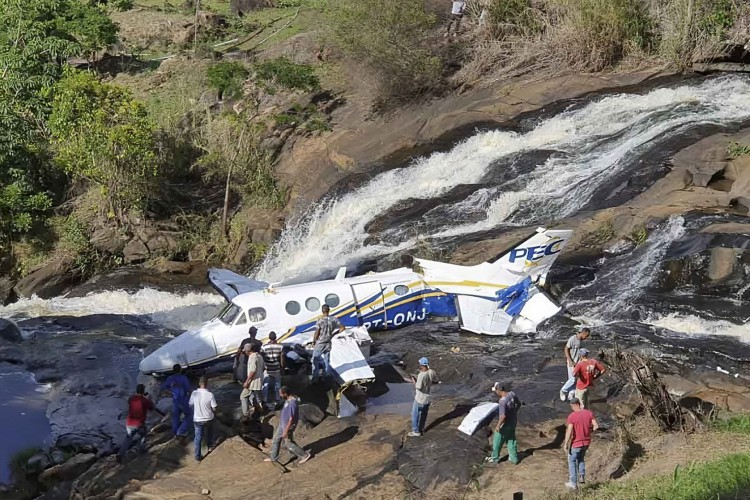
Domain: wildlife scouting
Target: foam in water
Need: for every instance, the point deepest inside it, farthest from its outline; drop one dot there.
(693, 325)
(597, 140)
(164, 308)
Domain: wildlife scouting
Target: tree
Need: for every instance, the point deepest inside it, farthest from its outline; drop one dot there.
(36, 38)
(102, 135)
(227, 77)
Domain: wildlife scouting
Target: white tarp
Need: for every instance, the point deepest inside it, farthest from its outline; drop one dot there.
(346, 355)
(477, 416)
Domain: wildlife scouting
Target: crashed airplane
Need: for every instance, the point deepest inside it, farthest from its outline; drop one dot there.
(490, 298)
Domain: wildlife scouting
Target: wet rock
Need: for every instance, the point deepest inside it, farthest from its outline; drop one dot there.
(48, 281)
(38, 463)
(9, 331)
(69, 470)
(619, 247)
(58, 456)
(722, 263)
(135, 251)
(741, 204)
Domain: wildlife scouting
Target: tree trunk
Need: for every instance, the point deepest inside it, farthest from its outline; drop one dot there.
(225, 212)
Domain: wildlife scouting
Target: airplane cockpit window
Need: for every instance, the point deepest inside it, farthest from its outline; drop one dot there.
(229, 314)
(312, 304)
(293, 307)
(242, 320)
(401, 289)
(256, 314)
(332, 300)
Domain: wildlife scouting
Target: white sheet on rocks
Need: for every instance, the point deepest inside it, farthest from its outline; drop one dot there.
(477, 416)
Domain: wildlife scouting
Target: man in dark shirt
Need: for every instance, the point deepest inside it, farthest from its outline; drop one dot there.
(271, 353)
(178, 386)
(326, 328)
(285, 430)
(135, 423)
(505, 430)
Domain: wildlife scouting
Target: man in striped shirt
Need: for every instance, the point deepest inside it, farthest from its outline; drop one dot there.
(271, 353)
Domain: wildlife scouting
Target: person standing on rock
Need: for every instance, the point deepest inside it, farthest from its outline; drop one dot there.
(285, 430)
(240, 357)
(326, 328)
(178, 386)
(204, 405)
(135, 424)
(580, 423)
(505, 430)
(572, 348)
(422, 385)
(586, 371)
(457, 14)
(271, 353)
(252, 392)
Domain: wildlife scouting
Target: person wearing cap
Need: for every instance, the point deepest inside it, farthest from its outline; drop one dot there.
(252, 388)
(422, 384)
(572, 356)
(586, 371)
(505, 430)
(580, 423)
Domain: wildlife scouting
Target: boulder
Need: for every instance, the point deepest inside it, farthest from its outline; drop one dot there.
(310, 414)
(703, 172)
(109, 239)
(741, 204)
(6, 291)
(69, 470)
(49, 280)
(9, 331)
(722, 263)
(135, 251)
(239, 7)
(38, 463)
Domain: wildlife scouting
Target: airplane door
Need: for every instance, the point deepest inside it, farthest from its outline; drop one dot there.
(370, 305)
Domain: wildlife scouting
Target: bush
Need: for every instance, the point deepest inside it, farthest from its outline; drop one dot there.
(102, 135)
(393, 36)
(286, 74)
(601, 32)
(511, 17)
(227, 78)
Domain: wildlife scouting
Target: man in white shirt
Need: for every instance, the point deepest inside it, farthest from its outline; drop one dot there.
(457, 13)
(571, 350)
(252, 389)
(203, 403)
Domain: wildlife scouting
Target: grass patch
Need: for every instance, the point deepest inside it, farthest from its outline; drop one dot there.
(739, 424)
(638, 235)
(728, 477)
(602, 234)
(284, 73)
(736, 149)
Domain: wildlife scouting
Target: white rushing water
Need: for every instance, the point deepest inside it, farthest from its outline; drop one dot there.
(594, 142)
(689, 324)
(164, 308)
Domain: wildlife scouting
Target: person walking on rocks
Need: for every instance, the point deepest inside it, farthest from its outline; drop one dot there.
(274, 361)
(139, 405)
(505, 430)
(178, 386)
(572, 348)
(422, 386)
(203, 403)
(586, 371)
(580, 423)
(252, 392)
(326, 328)
(285, 430)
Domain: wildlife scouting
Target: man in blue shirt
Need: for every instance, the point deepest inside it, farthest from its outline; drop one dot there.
(178, 386)
(285, 430)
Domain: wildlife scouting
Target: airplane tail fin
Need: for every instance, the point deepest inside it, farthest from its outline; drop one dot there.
(532, 257)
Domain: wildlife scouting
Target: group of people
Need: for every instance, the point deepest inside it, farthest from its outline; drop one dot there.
(582, 372)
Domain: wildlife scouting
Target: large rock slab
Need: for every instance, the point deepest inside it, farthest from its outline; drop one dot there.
(9, 331)
(69, 470)
(722, 263)
(49, 280)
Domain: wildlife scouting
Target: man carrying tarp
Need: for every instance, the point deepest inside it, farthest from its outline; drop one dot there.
(505, 430)
(178, 386)
(326, 328)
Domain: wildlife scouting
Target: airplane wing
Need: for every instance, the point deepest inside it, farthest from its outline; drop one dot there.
(231, 284)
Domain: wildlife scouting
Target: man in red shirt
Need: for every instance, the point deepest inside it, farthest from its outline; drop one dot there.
(586, 371)
(580, 423)
(135, 424)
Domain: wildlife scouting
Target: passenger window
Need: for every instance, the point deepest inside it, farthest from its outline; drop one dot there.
(292, 307)
(332, 300)
(312, 304)
(241, 320)
(256, 314)
(401, 289)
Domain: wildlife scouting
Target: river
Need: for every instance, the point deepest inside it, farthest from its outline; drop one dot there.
(596, 153)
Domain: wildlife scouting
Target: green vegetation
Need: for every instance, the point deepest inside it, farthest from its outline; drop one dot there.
(735, 150)
(739, 424)
(602, 234)
(282, 72)
(227, 77)
(639, 235)
(393, 36)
